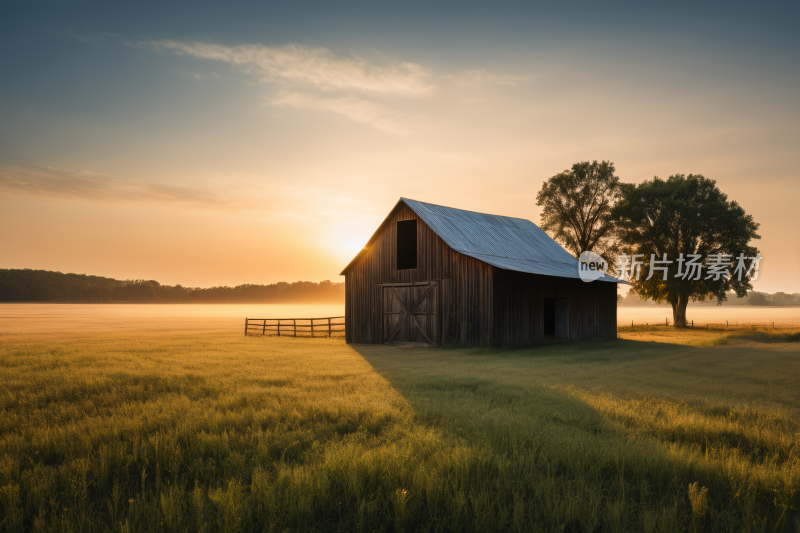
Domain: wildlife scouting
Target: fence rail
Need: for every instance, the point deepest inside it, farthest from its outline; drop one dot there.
(728, 324)
(290, 327)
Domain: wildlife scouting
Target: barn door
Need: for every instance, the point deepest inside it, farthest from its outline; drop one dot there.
(411, 314)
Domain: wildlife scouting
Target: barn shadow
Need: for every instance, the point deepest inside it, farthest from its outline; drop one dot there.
(500, 400)
(453, 388)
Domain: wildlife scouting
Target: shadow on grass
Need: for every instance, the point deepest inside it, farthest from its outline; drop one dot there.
(584, 351)
(567, 465)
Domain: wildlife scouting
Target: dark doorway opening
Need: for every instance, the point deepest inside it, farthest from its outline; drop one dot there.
(407, 244)
(562, 319)
(556, 318)
(549, 317)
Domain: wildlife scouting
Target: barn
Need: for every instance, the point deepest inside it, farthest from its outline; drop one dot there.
(433, 275)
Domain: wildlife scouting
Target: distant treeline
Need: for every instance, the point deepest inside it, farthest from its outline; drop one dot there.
(752, 298)
(46, 286)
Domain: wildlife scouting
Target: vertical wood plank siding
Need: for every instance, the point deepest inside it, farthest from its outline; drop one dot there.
(465, 284)
(519, 306)
(479, 304)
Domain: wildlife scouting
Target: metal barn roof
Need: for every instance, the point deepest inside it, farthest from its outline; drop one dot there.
(504, 242)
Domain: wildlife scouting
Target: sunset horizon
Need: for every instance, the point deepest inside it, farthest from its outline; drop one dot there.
(221, 150)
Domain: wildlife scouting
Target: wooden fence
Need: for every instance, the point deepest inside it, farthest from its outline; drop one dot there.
(728, 324)
(295, 327)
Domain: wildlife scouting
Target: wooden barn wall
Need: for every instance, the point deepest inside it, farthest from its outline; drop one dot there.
(519, 307)
(466, 285)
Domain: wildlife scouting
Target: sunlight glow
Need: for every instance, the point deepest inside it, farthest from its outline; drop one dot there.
(343, 243)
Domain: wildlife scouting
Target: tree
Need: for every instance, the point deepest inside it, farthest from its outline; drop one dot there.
(758, 298)
(683, 215)
(576, 206)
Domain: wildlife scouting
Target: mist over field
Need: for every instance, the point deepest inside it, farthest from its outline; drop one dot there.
(753, 298)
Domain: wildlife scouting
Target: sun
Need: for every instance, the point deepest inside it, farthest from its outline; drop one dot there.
(352, 246)
(344, 245)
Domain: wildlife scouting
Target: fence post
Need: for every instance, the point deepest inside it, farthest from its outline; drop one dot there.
(245, 327)
(329, 327)
(692, 323)
(312, 328)
(264, 328)
(294, 322)
(279, 327)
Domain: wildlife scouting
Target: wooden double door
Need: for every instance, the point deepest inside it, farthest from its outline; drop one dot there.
(411, 313)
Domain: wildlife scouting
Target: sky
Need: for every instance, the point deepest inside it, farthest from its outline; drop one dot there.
(239, 143)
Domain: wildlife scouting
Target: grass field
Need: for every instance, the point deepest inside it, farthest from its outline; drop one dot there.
(154, 430)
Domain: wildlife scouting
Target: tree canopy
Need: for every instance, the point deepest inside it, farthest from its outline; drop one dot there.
(576, 207)
(681, 217)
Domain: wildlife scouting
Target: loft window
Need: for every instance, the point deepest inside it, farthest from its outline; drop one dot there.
(407, 244)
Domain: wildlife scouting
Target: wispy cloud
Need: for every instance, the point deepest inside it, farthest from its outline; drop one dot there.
(317, 78)
(64, 184)
(91, 37)
(361, 90)
(198, 76)
(481, 78)
(295, 65)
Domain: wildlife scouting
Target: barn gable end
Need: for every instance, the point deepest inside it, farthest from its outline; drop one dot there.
(461, 283)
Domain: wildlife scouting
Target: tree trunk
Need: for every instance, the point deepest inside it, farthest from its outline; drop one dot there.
(679, 311)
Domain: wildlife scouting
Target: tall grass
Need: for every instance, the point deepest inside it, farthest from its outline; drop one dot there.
(150, 432)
